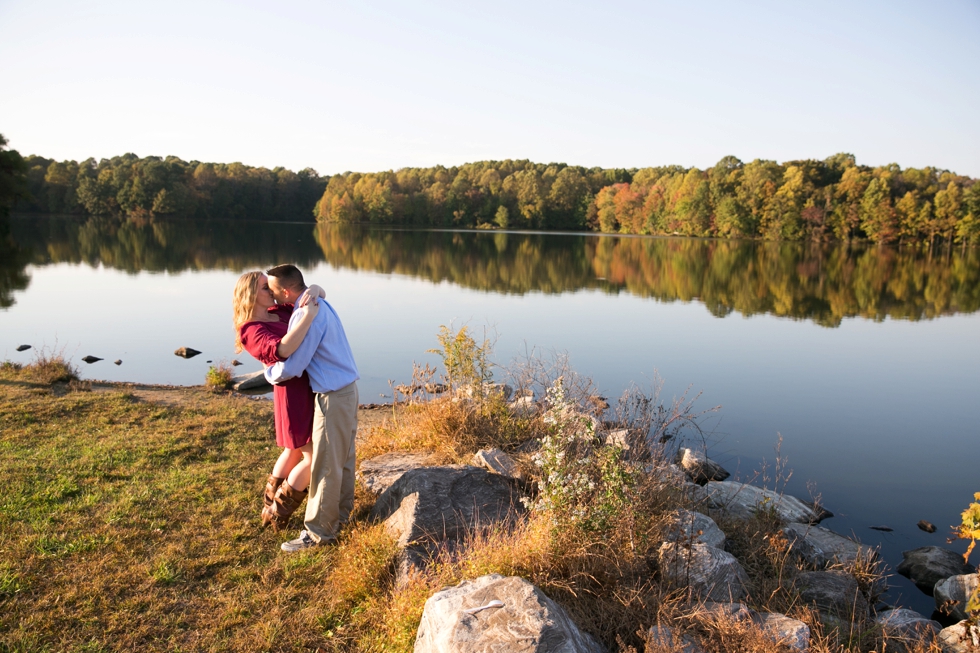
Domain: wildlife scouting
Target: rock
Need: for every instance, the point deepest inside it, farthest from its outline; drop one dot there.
(821, 547)
(435, 388)
(687, 526)
(699, 467)
(23, 347)
(883, 529)
(784, 630)
(251, 384)
(711, 574)
(498, 462)
(490, 389)
(928, 565)
(668, 473)
(953, 593)
(745, 500)
(724, 611)
(835, 595)
(928, 527)
(663, 638)
(523, 407)
(236, 363)
(528, 621)
(186, 352)
(960, 638)
(117, 362)
(91, 359)
(378, 474)
(433, 507)
(906, 626)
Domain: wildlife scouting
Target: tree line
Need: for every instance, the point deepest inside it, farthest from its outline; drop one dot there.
(833, 199)
(150, 186)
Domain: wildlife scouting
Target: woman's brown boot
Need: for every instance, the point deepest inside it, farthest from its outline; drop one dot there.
(284, 504)
(268, 496)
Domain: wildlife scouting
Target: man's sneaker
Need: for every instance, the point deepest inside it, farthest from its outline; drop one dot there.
(304, 541)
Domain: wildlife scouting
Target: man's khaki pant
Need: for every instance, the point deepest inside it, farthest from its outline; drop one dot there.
(331, 496)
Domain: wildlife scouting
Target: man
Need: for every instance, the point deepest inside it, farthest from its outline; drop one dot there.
(326, 356)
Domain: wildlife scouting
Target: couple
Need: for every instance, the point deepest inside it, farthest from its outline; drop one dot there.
(298, 336)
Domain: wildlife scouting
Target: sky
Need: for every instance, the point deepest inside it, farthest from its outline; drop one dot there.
(369, 86)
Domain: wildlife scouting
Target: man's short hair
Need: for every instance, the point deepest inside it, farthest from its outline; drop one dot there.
(287, 275)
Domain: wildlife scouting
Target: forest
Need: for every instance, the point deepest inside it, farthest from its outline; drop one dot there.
(834, 199)
(131, 186)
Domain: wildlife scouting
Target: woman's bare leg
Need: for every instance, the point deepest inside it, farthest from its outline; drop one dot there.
(287, 460)
(299, 477)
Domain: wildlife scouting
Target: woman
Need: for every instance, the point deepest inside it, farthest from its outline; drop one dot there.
(261, 328)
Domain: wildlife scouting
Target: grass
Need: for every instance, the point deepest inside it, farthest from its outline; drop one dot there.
(128, 524)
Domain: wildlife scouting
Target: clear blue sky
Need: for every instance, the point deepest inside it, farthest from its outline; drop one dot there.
(381, 85)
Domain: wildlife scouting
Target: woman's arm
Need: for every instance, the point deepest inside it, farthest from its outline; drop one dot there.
(310, 293)
(290, 341)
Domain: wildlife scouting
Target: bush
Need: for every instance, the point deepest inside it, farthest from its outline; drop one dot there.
(47, 368)
(218, 376)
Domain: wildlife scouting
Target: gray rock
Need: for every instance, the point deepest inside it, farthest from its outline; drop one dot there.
(523, 407)
(906, 627)
(710, 573)
(784, 630)
(668, 474)
(91, 359)
(821, 547)
(664, 638)
(699, 467)
(186, 352)
(835, 595)
(528, 621)
(117, 361)
(251, 384)
(377, 474)
(23, 347)
(688, 526)
(928, 565)
(960, 638)
(498, 462)
(743, 500)
(489, 389)
(429, 509)
(953, 593)
(724, 611)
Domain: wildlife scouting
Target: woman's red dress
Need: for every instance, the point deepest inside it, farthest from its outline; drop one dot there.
(293, 400)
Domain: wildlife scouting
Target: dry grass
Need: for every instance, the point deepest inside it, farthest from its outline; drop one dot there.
(126, 524)
(47, 368)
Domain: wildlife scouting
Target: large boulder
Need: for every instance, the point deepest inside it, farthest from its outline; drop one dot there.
(699, 467)
(744, 500)
(928, 565)
(527, 621)
(688, 526)
(960, 638)
(905, 628)
(821, 547)
(784, 630)
(710, 573)
(429, 508)
(378, 474)
(835, 595)
(953, 593)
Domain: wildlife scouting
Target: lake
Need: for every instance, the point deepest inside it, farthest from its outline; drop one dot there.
(865, 361)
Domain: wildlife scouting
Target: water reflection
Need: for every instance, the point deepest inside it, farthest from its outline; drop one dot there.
(820, 282)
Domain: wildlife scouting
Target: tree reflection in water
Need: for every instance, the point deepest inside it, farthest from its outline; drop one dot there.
(824, 283)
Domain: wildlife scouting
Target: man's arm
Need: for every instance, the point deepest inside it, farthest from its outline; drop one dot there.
(298, 362)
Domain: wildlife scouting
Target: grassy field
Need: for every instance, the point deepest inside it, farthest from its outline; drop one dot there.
(129, 520)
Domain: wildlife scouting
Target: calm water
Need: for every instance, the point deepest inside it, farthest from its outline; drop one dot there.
(864, 360)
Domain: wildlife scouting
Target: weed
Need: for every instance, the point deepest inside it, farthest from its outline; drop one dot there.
(969, 529)
(465, 362)
(218, 377)
(49, 366)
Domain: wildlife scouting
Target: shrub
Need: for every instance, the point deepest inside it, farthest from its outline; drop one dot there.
(47, 368)
(218, 376)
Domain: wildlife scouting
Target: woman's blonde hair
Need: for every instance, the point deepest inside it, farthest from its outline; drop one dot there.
(243, 301)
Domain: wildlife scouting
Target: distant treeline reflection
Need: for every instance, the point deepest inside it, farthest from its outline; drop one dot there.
(820, 282)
